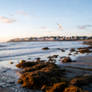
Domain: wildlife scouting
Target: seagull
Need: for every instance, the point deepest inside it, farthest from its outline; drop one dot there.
(59, 26)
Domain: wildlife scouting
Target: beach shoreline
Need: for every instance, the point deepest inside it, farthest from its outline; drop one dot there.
(70, 67)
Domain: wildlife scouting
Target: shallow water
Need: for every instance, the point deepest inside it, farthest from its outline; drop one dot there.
(15, 51)
(24, 50)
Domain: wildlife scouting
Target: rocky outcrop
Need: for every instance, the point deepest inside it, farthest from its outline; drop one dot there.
(65, 59)
(36, 75)
(84, 50)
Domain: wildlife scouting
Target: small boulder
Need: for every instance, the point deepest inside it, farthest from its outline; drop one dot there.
(45, 48)
(38, 59)
(26, 64)
(65, 59)
(11, 62)
(69, 54)
(72, 49)
(53, 56)
(62, 50)
(22, 61)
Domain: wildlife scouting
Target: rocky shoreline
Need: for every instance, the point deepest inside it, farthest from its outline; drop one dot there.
(30, 69)
(46, 76)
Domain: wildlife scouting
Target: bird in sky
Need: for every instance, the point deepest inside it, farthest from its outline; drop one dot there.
(60, 26)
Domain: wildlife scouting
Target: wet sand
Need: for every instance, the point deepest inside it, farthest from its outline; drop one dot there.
(85, 59)
(5, 90)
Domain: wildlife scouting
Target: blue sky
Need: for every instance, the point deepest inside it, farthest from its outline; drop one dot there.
(26, 18)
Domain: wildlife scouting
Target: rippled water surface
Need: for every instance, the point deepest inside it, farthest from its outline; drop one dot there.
(24, 50)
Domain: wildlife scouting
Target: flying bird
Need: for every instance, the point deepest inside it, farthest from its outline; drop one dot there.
(60, 26)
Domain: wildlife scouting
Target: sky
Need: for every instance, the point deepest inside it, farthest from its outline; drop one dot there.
(36, 18)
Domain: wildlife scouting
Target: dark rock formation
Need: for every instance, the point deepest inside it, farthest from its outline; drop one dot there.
(45, 48)
(72, 49)
(84, 50)
(65, 59)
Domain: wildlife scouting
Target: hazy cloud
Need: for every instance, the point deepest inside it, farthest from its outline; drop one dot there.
(43, 27)
(84, 26)
(22, 13)
(7, 20)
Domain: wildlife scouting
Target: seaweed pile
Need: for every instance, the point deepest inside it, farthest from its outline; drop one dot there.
(48, 77)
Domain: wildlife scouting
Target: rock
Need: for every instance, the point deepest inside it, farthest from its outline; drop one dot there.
(58, 48)
(90, 47)
(25, 64)
(76, 53)
(62, 50)
(29, 58)
(69, 54)
(73, 89)
(72, 49)
(45, 48)
(38, 59)
(84, 50)
(53, 56)
(65, 59)
(57, 87)
(22, 61)
(81, 81)
(11, 62)
(51, 60)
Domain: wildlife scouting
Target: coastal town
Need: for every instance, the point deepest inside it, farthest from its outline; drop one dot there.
(51, 38)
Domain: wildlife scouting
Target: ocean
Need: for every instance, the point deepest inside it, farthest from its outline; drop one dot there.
(27, 50)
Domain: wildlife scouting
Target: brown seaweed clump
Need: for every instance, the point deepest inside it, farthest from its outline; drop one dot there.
(57, 87)
(25, 64)
(48, 77)
(84, 50)
(73, 89)
(36, 75)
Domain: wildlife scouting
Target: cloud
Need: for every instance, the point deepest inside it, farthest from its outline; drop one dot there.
(60, 26)
(7, 20)
(22, 13)
(43, 27)
(85, 26)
